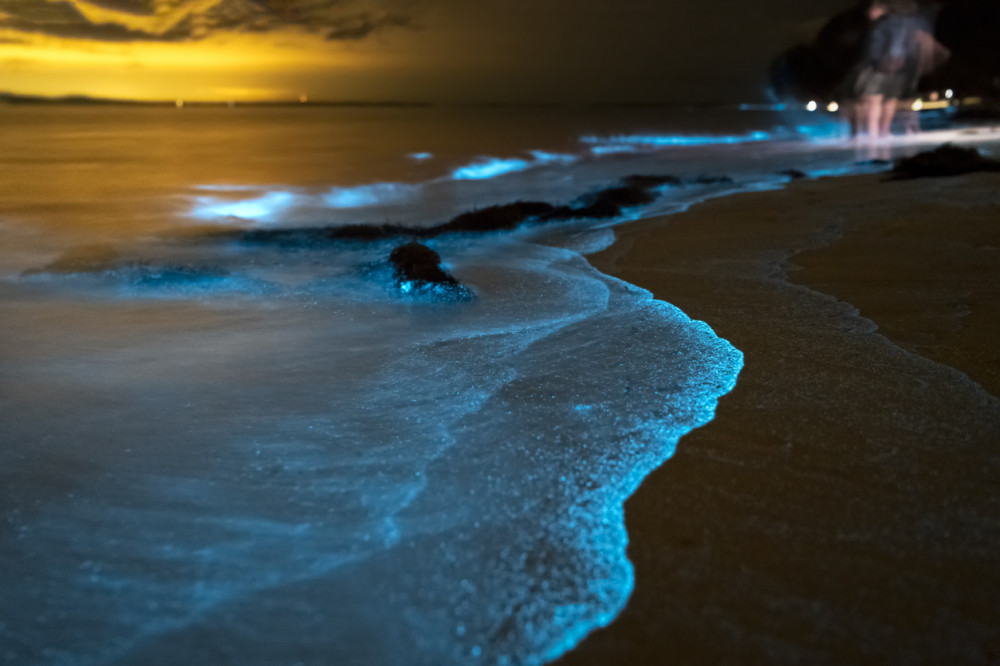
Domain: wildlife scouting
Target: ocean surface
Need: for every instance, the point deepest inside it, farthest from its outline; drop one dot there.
(215, 452)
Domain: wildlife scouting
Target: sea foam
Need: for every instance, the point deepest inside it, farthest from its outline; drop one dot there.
(329, 472)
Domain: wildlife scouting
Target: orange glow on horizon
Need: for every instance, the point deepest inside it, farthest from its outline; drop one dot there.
(231, 67)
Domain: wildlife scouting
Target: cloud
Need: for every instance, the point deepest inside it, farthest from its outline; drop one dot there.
(185, 20)
(364, 24)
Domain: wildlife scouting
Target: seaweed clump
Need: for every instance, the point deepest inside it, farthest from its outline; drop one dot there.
(635, 190)
(713, 180)
(946, 160)
(417, 268)
(495, 218)
(607, 203)
(648, 182)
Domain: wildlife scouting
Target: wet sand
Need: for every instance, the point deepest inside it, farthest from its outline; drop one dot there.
(844, 505)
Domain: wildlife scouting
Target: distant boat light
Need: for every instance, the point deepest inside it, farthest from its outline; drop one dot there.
(832, 107)
(949, 93)
(812, 105)
(917, 105)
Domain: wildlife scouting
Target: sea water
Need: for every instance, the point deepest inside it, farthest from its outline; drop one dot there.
(214, 452)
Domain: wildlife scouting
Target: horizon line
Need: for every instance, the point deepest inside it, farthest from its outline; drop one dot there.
(82, 99)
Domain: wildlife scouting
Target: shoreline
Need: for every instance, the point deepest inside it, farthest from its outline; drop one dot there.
(839, 509)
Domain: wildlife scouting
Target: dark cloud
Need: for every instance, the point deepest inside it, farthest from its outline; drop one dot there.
(184, 20)
(364, 24)
(62, 20)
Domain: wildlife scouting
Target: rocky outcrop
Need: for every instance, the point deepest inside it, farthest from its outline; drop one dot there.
(946, 160)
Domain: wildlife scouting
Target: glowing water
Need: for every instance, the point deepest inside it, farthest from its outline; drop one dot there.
(214, 453)
(329, 463)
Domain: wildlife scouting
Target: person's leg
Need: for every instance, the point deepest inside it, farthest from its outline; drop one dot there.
(873, 115)
(855, 114)
(888, 111)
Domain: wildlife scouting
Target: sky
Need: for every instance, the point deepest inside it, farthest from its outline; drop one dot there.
(513, 51)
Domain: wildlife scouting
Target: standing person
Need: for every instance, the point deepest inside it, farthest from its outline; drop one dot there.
(883, 77)
(925, 55)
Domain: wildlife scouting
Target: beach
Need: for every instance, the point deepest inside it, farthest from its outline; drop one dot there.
(237, 432)
(842, 506)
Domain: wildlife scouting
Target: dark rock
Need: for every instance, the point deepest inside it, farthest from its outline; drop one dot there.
(649, 182)
(416, 263)
(713, 180)
(496, 218)
(602, 209)
(623, 196)
(946, 160)
(794, 174)
(560, 214)
(602, 205)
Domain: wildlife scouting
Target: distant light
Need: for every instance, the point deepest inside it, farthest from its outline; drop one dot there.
(179, 103)
(303, 98)
(949, 93)
(832, 107)
(421, 156)
(917, 105)
(812, 106)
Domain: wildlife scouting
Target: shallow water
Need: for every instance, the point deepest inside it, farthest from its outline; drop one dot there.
(224, 453)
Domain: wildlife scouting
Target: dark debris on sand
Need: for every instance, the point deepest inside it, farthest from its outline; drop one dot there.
(794, 174)
(649, 182)
(946, 160)
(418, 268)
(713, 180)
(495, 218)
(636, 190)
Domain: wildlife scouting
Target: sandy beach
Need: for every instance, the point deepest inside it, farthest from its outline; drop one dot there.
(843, 506)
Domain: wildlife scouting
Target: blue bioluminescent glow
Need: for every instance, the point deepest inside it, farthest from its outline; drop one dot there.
(491, 167)
(261, 208)
(762, 107)
(420, 157)
(367, 195)
(622, 144)
(838, 171)
(823, 131)
(488, 168)
(542, 157)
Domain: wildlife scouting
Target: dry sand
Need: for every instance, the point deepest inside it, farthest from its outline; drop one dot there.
(844, 506)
